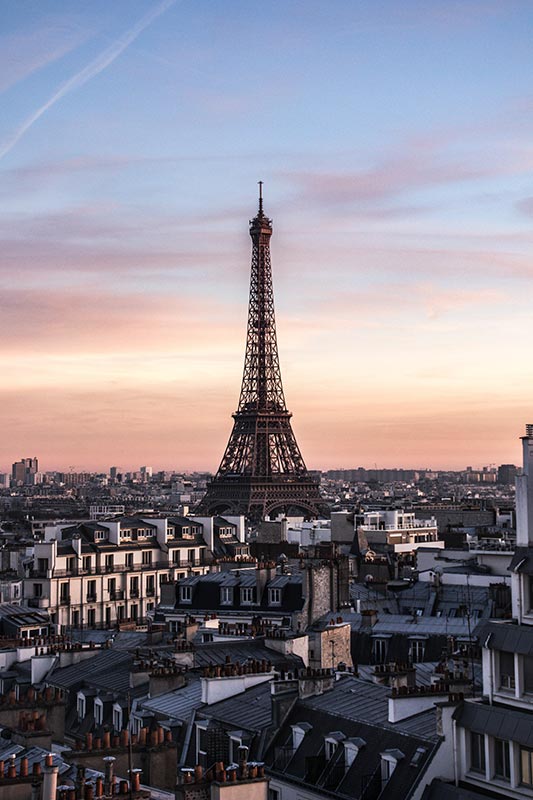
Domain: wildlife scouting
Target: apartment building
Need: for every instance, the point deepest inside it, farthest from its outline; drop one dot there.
(99, 573)
(396, 531)
(494, 734)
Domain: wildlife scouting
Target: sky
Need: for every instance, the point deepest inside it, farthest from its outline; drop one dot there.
(395, 142)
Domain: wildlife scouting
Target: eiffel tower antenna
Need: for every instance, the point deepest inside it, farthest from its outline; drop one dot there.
(262, 472)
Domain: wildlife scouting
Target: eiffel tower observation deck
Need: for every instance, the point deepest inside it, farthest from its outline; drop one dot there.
(262, 472)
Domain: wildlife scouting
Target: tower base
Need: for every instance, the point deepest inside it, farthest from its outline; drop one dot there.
(257, 499)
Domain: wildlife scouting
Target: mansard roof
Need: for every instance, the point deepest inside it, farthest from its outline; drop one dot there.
(502, 722)
(348, 710)
(507, 636)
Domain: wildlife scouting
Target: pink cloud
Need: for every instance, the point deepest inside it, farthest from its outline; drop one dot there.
(84, 322)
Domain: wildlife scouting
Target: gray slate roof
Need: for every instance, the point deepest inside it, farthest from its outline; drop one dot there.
(360, 701)
(251, 710)
(503, 722)
(508, 636)
(178, 704)
(109, 669)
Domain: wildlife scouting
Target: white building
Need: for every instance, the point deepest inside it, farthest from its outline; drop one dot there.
(99, 573)
(396, 530)
(495, 733)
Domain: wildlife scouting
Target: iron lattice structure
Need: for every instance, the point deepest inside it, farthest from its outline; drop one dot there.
(262, 471)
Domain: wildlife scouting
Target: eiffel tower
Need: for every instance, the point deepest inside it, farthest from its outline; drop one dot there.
(262, 472)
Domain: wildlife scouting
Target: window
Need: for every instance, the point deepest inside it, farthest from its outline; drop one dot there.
(37, 590)
(191, 556)
(274, 597)
(329, 749)
(526, 766)
(129, 560)
(98, 711)
(64, 596)
(111, 586)
(186, 594)
(226, 595)
(416, 650)
(81, 706)
(176, 557)
(91, 591)
(234, 745)
(507, 670)
(201, 746)
(274, 794)
(528, 674)
(150, 586)
(109, 563)
(117, 718)
(247, 596)
(380, 650)
(87, 563)
(134, 587)
(477, 752)
(147, 556)
(91, 618)
(71, 564)
(502, 761)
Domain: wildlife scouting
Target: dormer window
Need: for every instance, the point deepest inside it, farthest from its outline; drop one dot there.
(226, 595)
(351, 750)
(98, 711)
(81, 706)
(186, 594)
(331, 742)
(416, 650)
(117, 717)
(247, 596)
(389, 762)
(274, 597)
(379, 650)
(298, 732)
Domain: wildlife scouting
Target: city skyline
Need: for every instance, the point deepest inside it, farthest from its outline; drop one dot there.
(394, 142)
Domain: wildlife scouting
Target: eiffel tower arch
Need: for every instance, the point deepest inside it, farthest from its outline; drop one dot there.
(262, 472)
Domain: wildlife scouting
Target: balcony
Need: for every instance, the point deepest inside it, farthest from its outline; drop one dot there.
(134, 593)
(104, 569)
(150, 592)
(91, 598)
(117, 594)
(64, 600)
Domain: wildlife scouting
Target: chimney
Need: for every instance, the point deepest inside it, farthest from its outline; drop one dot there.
(50, 778)
(80, 782)
(369, 617)
(264, 573)
(243, 761)
(109, 762)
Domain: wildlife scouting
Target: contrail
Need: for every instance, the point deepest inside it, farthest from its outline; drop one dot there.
(92, 69)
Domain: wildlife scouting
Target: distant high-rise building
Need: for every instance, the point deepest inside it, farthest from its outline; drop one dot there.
(146, 473)
(23, 471)
(507, 473)
(113, 473)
